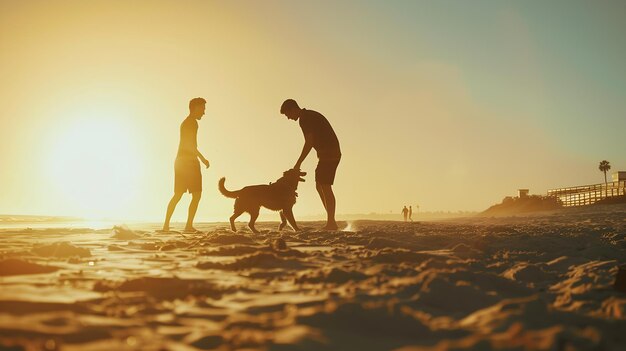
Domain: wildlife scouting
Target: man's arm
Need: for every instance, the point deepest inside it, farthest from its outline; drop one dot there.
(192, 149)
(195, 148)
(204, 160)
(308, 145)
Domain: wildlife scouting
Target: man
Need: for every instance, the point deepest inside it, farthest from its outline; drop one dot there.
(405, 212)
(187, 176)
(318, 135)
(411, 213)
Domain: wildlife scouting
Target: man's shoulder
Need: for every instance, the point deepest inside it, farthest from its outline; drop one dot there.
(189, 123)
(310, 117)
(312, 114)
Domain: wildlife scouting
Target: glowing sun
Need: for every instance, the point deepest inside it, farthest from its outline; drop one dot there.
(94, 165)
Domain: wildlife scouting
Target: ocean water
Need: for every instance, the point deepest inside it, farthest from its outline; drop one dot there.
(34, 224)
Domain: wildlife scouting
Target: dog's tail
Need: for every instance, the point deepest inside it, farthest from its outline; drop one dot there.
(226, 192)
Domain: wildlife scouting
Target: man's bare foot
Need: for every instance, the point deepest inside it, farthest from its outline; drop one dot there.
(165, 228)
(331, 226)
(191, 230)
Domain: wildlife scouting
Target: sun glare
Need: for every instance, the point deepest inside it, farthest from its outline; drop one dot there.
(94, 167)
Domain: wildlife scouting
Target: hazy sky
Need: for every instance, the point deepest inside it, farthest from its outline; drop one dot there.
(451, 105)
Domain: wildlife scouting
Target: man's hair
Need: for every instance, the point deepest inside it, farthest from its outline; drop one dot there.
(195, 102)
(288, 105)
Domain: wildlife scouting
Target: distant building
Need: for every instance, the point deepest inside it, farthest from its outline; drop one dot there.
(590, 194)
(619, 176)
(522, 193)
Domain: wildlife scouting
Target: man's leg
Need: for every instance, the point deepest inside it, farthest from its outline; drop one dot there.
(170, 210)
(329, 202)
(193, 207)
(320, 191)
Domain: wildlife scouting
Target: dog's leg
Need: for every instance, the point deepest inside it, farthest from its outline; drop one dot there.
(254, 214)
(283, 221)
(237, 213)
(233, 218)
(292, 221)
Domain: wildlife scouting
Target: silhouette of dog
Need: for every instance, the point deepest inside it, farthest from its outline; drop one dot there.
(279, 196)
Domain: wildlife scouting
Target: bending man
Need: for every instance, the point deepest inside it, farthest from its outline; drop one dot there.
(318, 135)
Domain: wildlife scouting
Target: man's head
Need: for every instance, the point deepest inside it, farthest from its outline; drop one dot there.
(290, 109)
(196, 107)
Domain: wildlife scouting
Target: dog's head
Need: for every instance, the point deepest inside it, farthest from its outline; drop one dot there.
(291, 178)
(294, 174)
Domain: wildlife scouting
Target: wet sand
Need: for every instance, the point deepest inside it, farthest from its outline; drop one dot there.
(541, 282)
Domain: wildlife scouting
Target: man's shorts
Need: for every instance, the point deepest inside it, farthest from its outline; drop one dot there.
(187, 175)
(325, 171)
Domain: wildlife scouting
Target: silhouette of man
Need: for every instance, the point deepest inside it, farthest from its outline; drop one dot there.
(411, 213)
(318, 135)
(187, 176)
(405, 212)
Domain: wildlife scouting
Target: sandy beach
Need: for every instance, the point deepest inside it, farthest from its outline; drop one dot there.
(542, 282)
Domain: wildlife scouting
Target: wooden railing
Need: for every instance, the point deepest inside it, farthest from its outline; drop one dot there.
(588, 194)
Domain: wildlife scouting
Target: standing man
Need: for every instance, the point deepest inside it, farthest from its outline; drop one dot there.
(411, 213)
(187, 176)
(405, 211)
(318, 135)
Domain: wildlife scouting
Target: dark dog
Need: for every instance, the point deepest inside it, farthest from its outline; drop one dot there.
(279, 196)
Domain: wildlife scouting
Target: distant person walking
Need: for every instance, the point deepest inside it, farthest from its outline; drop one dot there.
(187, 176)
(405, 212)
(318, 135)
(411, 213)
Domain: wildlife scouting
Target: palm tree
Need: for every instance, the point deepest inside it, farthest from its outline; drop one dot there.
(604, 166)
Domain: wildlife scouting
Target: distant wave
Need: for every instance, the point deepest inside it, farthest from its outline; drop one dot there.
(38, 219)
